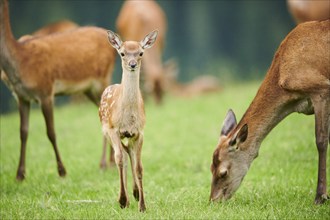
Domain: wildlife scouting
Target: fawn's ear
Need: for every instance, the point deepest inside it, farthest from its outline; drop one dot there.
(114, 40)
(229, 123)
(149, 40)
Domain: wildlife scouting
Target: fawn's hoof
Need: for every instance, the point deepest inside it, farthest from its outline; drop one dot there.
(124, 203)
(320, 199)
(142, 208)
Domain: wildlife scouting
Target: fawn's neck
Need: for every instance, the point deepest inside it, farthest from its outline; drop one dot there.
(130, 87)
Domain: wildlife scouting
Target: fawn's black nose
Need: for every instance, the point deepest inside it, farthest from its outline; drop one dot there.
(132, 64)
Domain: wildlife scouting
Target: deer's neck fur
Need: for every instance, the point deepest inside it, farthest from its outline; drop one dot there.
(7, 39)
(130, 88)
(10, 50)
(269, 107)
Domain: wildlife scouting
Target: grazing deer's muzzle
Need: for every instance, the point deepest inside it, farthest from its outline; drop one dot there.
(220, 194)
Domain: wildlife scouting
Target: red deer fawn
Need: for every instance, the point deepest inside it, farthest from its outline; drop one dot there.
(122, 115)
(298, 81)
(132, 23)
(303, 10)
(134, 20)
(57, 64)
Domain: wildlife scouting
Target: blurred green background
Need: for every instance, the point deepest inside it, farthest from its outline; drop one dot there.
(233, 40)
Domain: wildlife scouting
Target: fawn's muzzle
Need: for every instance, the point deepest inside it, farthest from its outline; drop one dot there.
(132, 64)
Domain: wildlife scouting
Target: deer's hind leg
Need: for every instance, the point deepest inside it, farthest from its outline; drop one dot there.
(47, 110)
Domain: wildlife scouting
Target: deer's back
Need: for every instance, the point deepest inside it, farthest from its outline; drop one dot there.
(304, 54)
(67, 58)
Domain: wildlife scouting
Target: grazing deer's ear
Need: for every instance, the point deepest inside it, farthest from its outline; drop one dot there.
(149, 40)
(229, 123)
(239, 137)
(114, 40)
(242, 134)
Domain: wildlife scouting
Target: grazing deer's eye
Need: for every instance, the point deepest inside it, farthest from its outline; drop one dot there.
(223, 173)
(122, 54)
(141, 54)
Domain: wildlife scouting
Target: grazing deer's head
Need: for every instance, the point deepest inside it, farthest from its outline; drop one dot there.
(131, 52)
(230, 162)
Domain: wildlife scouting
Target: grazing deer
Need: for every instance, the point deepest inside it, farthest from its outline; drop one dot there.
(304, 10)
(135, 19)
(122, 114)
(298, 81)
(57, 64)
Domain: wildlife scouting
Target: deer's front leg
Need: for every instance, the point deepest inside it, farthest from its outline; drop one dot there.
(322, 122)
(121, 162)
(138, 169)
(132, 156)
(24, 110)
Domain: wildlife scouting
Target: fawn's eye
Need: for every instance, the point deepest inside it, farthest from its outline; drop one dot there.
(122, 54)
(141, 54)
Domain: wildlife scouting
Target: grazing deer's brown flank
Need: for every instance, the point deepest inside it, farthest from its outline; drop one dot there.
(39, 68)
(297, 81)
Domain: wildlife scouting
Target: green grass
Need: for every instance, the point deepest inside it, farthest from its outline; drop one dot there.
(180, 137)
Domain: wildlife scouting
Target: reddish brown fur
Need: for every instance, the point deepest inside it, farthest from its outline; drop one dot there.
(309, 10)
(297, 81)
(62, 63)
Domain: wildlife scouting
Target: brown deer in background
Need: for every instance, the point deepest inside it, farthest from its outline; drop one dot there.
(122, 115)
(78, 61)
(56, 27)
(134, 20)
(309, 10)
(298, 81)
(203, 84)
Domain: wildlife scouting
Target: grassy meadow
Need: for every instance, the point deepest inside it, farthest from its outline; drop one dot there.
(180, 137)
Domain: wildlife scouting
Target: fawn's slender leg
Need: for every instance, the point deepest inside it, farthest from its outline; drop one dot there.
(120, 162)
(132, 156)
(24, 111)
(139, 171)
(112, 157)
(322, 122)
(47, 110)
(103, 162)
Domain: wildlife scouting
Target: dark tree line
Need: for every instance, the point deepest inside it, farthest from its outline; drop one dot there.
(226, 38)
